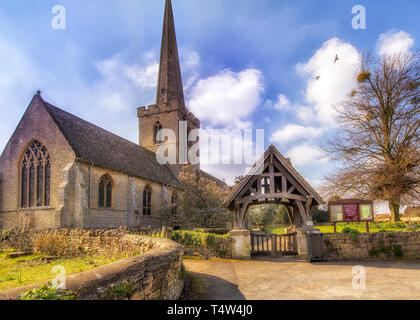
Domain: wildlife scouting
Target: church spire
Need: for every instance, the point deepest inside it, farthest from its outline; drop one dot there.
(170, 81)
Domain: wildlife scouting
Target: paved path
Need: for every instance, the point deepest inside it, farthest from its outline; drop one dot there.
(292, 279)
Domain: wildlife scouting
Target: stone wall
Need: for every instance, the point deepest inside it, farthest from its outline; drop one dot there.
(155, 275)
(339, 246)
(205, 245)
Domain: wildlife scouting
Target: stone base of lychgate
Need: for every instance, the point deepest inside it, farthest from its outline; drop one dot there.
(241, 247)
(303, 238)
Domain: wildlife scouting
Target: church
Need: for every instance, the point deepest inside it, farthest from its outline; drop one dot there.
(60, 171)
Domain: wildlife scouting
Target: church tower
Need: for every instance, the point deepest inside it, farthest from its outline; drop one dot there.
(169, 112)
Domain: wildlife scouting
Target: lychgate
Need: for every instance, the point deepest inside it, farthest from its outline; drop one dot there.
(273, 180)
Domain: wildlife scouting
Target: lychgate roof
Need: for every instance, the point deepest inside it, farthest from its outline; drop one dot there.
(98, 146)
(287, 168)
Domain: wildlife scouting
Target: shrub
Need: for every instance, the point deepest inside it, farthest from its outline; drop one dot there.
(210, 239)
(121, 291)
(53, 245)
(181, 275)
(48, 292)
(353, 232)
(346, 230)
(218, 231)
(374, 252)
(19, 239)
(398, 251)
(320, 216)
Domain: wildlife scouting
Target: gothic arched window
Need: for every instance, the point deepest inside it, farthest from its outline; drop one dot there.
(35, 176)
(157, 132)
(173, 200)
(105, 192)
(147, 201)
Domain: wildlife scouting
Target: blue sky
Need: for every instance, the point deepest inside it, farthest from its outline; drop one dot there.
(265, 54)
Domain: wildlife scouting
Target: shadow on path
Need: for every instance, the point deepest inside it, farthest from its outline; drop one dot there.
(200, 286)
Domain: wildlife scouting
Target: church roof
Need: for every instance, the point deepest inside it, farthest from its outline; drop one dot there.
(207, 175)
(96, 145)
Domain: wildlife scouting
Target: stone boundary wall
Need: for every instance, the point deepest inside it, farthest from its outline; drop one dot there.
(155, 275)
(204, 245)
(224, 252)
(340, 246)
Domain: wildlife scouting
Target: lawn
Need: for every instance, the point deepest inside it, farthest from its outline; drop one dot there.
(25, 270)
(361, 227)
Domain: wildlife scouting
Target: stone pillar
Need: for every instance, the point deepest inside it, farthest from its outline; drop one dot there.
(131, 202)
(241, 247)
(302, 238)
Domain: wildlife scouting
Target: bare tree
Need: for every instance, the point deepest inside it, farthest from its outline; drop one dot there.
(201, 199)
(378, 139)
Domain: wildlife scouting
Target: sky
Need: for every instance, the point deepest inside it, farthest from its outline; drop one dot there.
(246, 64)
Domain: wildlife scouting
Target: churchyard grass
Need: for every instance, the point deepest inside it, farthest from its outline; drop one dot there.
(361, 227)
(30, 269)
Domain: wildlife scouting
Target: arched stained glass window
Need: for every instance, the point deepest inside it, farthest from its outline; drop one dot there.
(105, 192)
(147, 201)
(35, 176)
(173, 200)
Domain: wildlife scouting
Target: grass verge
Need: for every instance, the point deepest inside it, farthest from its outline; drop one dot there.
(30, 269)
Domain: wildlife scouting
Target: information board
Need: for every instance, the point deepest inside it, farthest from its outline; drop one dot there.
(350, 212)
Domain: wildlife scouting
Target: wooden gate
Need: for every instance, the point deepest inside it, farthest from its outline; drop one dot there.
(276, 245)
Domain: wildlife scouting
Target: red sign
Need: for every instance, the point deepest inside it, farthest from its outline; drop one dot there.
(350, 212)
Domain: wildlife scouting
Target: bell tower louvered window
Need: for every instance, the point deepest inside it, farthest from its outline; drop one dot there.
(157, 133)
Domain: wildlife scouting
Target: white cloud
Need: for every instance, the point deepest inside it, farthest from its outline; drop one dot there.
(190, 63)
(329, 81)
(306, 114)
(227, 98)
(19, 79)
(394, 42)
(144, 76)
(293, 132)
(118, 88)
(283, 103)
(305, 154)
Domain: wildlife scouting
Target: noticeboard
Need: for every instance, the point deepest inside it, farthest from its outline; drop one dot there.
(350, 210)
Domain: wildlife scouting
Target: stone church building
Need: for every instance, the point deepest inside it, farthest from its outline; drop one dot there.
(59, 171)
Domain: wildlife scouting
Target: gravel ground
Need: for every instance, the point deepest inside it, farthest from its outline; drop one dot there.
(290, 279)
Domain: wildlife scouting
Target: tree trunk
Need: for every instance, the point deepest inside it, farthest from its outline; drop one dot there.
(395, 211)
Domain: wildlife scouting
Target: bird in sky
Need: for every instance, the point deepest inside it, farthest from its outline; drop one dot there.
(317, 78)
(336, 58)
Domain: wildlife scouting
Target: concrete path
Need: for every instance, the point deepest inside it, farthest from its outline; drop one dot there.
(293, 279)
